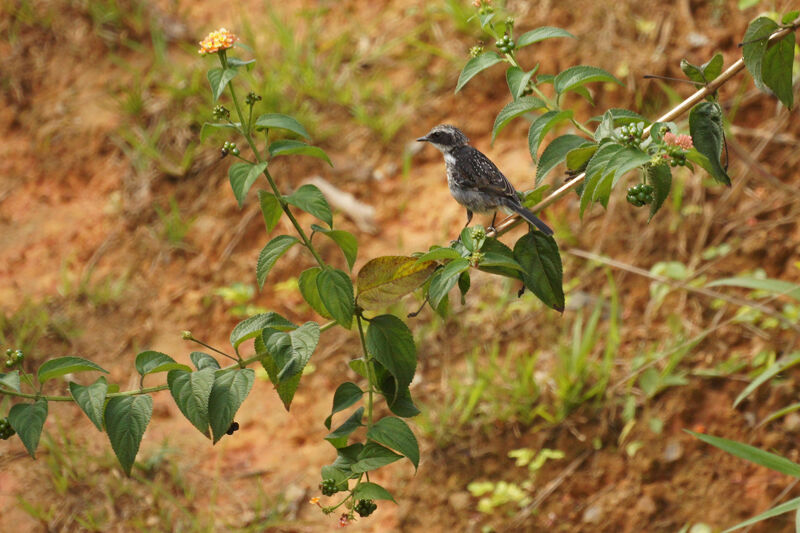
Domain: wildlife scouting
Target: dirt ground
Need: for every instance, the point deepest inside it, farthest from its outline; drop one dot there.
(81, 243)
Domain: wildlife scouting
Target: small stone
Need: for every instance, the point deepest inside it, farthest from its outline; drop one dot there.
(592, 515)
(672, 451)
(791, 422)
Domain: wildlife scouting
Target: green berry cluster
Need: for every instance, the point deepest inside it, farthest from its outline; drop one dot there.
(252, 98)
(221, 112)
(6, 431)
(14, 357)
(640, 195)
(678, 159)
(328, 487)
(365, 507)
(476, 50)
(631, 134)
(505, 45)
(229, 148)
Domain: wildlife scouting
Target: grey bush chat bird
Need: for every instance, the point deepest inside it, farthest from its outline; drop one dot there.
(474, 181)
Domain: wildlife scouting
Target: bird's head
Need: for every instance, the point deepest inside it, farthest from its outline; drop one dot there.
(445, 137)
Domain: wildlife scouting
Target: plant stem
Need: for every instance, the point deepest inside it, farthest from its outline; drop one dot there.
(370, 369)
(246, 132)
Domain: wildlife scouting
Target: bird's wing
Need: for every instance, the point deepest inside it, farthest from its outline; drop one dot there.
(480, 174)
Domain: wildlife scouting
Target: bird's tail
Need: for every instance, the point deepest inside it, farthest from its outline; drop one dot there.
(532, 219)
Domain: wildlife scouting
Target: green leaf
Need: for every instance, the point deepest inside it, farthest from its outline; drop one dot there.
(694, 73)
(346, 241)
(219, 79)
(579, 157)
(65, 365)
(786, 507)
(10, 380)
(776, 69)
(338, 437)
(150, 362)
(770, 372)
(517, 80)
(191, 391)
(437, 254)
(311, 200)
(292, 351)
(491, 259)
(284, 122)
(541, 126)
(336, 292)
(287, 388)
(755, 47)
(270, 254)
(620, 117)
(398, 400)
(270, 209)
(91, 399)
(236, 62)
(476, 65)
(242, 176)
(445, 279)
(539, 257)
(371, 491)
(27, 419)
(493, 246)
(575, 77)
(752, 454)
(202, 360)
(230, 389)
(712, 68)
(384, 280)
(705, 126)
(372, 457)
(390, 341)
(307, 283)
(605, 130)
(555, 153)
(126, 420)
(251, 327)
(346, 395)
(626, 160)
(596, 171)
(789, 17)
(394, 433)
(540, 34)
(775, 286)
(660, 177)
(514, 109)
(291, 147)
(464, 282)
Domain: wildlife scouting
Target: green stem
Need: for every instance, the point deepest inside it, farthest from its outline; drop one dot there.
(370, 369)
(241, 364)
(275, 190)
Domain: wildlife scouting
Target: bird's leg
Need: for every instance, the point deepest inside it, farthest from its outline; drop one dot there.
(469, 219)
(491, 227)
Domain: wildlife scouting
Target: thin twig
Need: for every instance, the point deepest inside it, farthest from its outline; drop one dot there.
(676, 284)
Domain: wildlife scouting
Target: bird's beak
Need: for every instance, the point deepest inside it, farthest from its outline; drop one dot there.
(422, 139)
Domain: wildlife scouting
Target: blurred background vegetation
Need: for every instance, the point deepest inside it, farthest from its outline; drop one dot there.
(118, 231)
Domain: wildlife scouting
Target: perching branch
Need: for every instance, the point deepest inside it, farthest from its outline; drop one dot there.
(514, 220)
